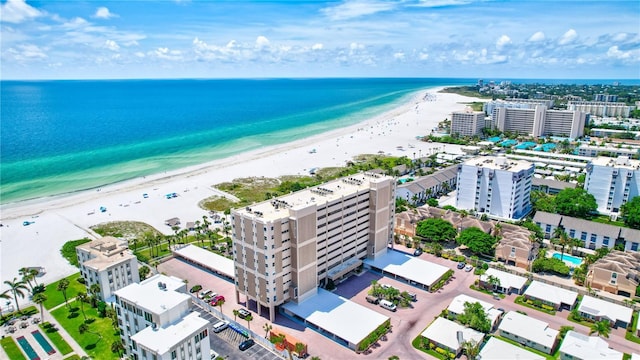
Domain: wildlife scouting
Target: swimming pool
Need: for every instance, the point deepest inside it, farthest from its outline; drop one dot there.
(572, 259)
(43, 342)
(24, 344)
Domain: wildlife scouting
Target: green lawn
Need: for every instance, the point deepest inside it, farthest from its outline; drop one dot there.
(631, 335)
(55, 337)
(73, 357)
(520, 300)
(89, 341)
(55, 298)
(11, 348)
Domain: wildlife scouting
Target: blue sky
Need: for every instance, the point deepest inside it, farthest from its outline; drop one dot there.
(361, 38)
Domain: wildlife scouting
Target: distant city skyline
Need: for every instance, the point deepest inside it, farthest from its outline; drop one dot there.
(362, 38)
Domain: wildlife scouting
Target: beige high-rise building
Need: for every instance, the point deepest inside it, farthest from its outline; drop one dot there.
(285, 248)
(540, 122)
(467, 123)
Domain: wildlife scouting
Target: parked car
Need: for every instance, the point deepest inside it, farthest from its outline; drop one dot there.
(243, 313)
(246, 344)
(372, 299)
(386, 286)
(388, 305)
(468, 268)
(195, 289)
(205, 293)
(219, 326)
(413, 296)
(215, 299)
(461, 265)
(417, 252)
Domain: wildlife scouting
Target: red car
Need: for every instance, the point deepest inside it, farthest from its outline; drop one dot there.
(216, 299)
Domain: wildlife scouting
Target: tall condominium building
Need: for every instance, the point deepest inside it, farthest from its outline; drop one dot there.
(514, 103)
(108, 263)
(285, 248)
(605, 97)
(601, 108)
(539, 121)
(495, 186)
(156, 322)
(467, 123)
(612, 182)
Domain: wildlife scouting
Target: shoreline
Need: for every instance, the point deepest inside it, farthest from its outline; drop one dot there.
(69, 216)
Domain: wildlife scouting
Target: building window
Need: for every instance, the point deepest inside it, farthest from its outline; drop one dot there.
(634, 246)
(572, 233)
(605, 241)
(174, 355)
(614, 278)
(583, 236)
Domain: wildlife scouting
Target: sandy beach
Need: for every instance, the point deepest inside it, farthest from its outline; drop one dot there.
(68, 217)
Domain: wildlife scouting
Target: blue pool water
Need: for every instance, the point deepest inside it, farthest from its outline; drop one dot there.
(508, 143)
(545, 147)
(43, 342)
(24, 344)
(494, 139)
(572, 259)
(525, 145)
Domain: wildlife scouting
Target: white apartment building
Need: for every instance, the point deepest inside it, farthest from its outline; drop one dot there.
(495, 186)
(285, 248)
(595, 150)
(601, 108)
(467, 123)
(613, 182)
(539, 121)
(156, 322)
(108, 263)
(512, 103)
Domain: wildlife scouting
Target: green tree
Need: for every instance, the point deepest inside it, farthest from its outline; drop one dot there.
(17, 288)
(81, 298)
(63, 285)
(432, 202)
(575, 202)
(39, 299)
(471, 348)
(436, 229)
(475, 317)
(267, 327)
(4, 295)
(601, 328)
(542, 201)
(477, 240)
(631, 212)
(235, 315)
(117, 347)
(143, 272)
(249, 318)
(84, 328)
(27, 276)
(561, 238)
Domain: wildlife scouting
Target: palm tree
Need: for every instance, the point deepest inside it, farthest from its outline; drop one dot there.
(17, 288)
(493, 281)
(249, 318)
(562, 239)
(26, 276)
(95, 290)
(63, 285)
(471, 348)
(219, 304)
(299, 348)
(82, 297)
(235, 315)
(83, 328)
(601, 328)
(4, 295)
(267, 327)
(34, 273)
(117, 347)
(39, 299)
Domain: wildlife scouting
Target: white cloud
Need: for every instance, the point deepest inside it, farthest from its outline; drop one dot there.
(539, 36)
(399, 55)
(442, 3)
(423, 56)
(27, 52)
(568, 37)
(139, 54)
(503, 41)
(17, 11)
(620, 37)
(317, 46)
(355, 9)
(616, 53)
(262, 42)
(104, 13)
(111, 45)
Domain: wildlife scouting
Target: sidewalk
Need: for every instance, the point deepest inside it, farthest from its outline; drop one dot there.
(77, 349)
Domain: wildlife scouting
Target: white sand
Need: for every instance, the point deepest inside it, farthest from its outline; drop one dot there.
(59, 219)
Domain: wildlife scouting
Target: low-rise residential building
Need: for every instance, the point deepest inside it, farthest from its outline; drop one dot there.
(516, 246)
(618, 273)
(601, 108)
(185, 339)
(613, 182)
(598, 309)
(551, 295)
(528, 331)
(550, 186)
(156, 308)
(450, 335)
(595, 150)
(429, 186)
(576, 346)
(457, 307)
(500, 349)
(592, 234)
(507, 283)
(109, 263)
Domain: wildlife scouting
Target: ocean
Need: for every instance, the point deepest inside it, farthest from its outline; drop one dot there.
(59, 137)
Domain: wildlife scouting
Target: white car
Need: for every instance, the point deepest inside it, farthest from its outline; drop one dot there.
(468, 268)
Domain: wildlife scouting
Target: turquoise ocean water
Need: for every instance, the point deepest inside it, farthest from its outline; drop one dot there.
(63, 136)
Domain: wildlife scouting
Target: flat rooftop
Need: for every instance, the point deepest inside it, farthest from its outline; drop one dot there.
(550, 293)
(507, 280)
(498, 349)
(409, 267)
(337, 315)
(161, 340)
(606, 309)
(619, 162)
(207, 259)
(588, 347)
(152, 296)
(499, 163)
(328, 192)
(445, 332)
(105, 252)
(529, 328)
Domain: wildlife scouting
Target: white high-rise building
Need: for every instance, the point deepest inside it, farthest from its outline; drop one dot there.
(496, 186)
(612, 182)
(467, 123)
(539, 121)
(601, 108)
(156, 321)
(108, 263)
